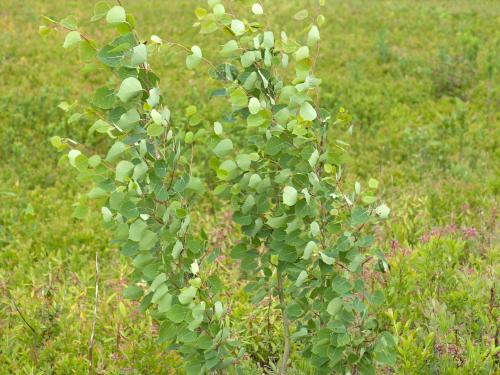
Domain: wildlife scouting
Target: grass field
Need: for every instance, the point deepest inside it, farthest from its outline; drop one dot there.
(421, 80)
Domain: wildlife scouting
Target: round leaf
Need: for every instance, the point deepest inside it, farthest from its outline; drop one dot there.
(289, 196)
(129, 89)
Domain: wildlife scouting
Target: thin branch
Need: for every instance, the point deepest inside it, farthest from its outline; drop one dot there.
(35, 334)
(92, 336)
(286, 327)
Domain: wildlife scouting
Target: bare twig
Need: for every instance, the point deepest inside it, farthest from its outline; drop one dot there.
(35, 334)
(286, 327)
(92, 336)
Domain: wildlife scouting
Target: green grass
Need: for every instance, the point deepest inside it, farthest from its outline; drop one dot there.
(421, 81)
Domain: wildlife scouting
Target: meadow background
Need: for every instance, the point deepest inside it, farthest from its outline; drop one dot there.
(421, 80)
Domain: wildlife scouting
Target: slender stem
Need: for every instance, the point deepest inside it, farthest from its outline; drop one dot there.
(92, 336)
(286, 327)
(35, 334)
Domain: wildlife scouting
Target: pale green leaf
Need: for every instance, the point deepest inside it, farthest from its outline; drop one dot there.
(223, 148)
(257, 9)
(326, 259)
(313, 159)
(289, 196)
(123, 170)
(254, 105)
(139, 55)
(218, 128)
(229, 48)
(219, 9)
(313, 36)
(115, 151)
(301, 15)
(237, 27)
(372, 183)
(310, 248)
(116, 15)
(302, 53)
(218, 309)
(187, 295)
(72, 38)
(129, 89)
(334, 306)
(307, 112)
(383, 211)
(300, 279)
(268, 39)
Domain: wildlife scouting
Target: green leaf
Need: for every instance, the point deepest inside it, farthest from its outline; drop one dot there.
(100, 10)
(218, 129)
(69, 23)
(293, 310)
(57, 142)
(72, 38)
(116, 15)
(313, 36)
(300, 279)
(123, 170)
(187, 295)
(218, 309)
(244, 161)
(287, 254)
(257, 9)
(129, 119)
(309, 249)
(372, 183)
(307, 111)
(193, 60)
(165, 303)
(254, 106)
(301, 15)
(177, 313)
(228, 170)
(223, 148)
(256, 120)
(302, 53)
(133, 292)
(237, 27)
(289, 196)
(219, 9)
(229, 48)
(160, 279)
(277, 222)
(274, 146)
(383, 211)
(315, 230)
(115, 151)
(247, 59)
(148, 240)
(299, 334)
(177, 249)
(159, 293)
(154, 97)
(268, 41)
(195, 184)
(129, 89)
(334, 306)
(139, 55)
(137, 230)
(239, 99)
(326, 259)
(104, 98)
(359, 216)
(155, 130)
(313, 159)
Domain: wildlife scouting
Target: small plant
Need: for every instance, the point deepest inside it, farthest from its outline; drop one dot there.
(305, 237)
